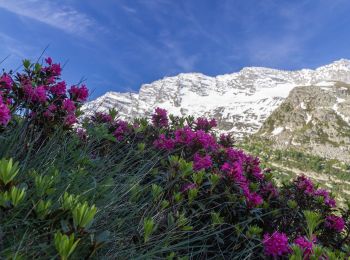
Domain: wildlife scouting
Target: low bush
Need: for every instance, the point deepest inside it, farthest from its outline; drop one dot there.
(166, 187)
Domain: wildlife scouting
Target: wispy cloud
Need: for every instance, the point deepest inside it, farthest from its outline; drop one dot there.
(13, 48)
(52, 13)
(174, 52)
(274, 52)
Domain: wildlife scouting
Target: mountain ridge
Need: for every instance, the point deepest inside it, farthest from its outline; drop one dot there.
(240, 101)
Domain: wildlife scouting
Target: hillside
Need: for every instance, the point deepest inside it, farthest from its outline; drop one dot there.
(314, 119)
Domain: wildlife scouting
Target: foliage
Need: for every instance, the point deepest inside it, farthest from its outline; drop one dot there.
(164, 187)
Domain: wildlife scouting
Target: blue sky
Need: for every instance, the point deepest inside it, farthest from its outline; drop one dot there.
(116, 45)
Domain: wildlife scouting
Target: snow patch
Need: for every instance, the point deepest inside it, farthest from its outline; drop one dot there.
(277, 130)
(308, 118)
(345, 118)
(340, 100)
(325, 84)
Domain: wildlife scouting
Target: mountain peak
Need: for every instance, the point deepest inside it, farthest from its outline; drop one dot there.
(239, 101)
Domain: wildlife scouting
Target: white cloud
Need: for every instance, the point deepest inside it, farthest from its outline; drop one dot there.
(52, 13)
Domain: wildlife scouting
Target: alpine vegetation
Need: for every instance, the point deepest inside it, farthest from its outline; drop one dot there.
(97, 186)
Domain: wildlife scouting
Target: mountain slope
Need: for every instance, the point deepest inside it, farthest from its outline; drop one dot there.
(314, 119)
(240, 101)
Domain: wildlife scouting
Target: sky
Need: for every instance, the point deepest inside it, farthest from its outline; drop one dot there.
(117, 45)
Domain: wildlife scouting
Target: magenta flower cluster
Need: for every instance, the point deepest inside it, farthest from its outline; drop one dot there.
(201, 162)
(335, 222)
(121, 129)
(204, 124)
(239, 168)
(276, 244)
(39, 94)
(305, 245)
(160, 118)
(5, 113)
(305, 185)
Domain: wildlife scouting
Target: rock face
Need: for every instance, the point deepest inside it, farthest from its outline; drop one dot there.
(240, 101)
(315, 119)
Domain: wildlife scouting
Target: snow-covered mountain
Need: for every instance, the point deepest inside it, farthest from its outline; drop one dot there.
(240, 101)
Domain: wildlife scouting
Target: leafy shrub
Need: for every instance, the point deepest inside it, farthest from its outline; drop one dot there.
(166, 187)
(40, 97)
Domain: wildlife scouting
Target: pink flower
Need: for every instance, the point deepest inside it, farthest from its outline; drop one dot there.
(101, 117)
(6, 82)
(305, 245)
(56, 69)
(205, 124)
(70, 119)
(5, 113)
(276, 244)
(160, 118)
(200, 162)
(37, 94)
(335, 222)
(226, 140)
(53, 69)
(326, 197)
(251, 167)
(305, 184)
(164, 143)
(48, 60)
(59, 88)
(235, 172)
(122, 128)
(184, 136)
(234, 155)
(269, 190)
(79, 94)
(254, 199)
(68, 105)
(205, 140)
(40, 94)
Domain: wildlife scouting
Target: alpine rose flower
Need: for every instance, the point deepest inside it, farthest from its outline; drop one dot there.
(254, 199)
(164, 143)
(79, 94)
(121, 130)
(200, 162)
(6, 82)
(102, 117)
(160, 118)
(335, 222)
(276, 244)
(205, 140)
(70, 120)
(305, 245)
(305, 184)
(326, 197)
(37, 94)
(59, 88)
(68, 105)
(5, 113)
(205, 124)
(184, 136)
